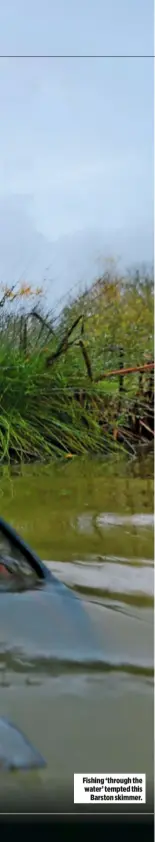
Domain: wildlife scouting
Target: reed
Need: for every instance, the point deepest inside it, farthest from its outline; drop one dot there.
(54, 399)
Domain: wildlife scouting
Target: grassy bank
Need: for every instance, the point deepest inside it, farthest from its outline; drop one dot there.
(52, 400)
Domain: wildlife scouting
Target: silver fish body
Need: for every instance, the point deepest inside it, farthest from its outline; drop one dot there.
(16, 752)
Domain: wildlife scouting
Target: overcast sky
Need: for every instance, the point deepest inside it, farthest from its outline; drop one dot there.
(76, 138)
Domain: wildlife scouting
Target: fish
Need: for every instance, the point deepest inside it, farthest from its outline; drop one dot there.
(16, 752)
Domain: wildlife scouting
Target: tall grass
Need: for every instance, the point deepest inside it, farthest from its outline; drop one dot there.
(49, 403)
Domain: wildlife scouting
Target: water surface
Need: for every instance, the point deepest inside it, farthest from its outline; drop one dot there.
(93, 524)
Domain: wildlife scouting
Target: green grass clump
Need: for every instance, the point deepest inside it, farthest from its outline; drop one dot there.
(50, 405)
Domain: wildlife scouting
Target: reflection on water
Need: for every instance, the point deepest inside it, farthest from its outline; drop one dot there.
(95, 531)
(109, 576)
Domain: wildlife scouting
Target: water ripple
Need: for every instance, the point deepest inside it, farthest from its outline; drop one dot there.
(107, 576)
(50, 666)
(85, 523)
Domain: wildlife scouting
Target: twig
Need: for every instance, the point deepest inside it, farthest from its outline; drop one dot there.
(124, 371)
(6, 295)
(63, 346)
(146, 427)
(43, 322)
(86, 359)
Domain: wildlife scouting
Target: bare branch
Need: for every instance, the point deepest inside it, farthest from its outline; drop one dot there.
(63, 346)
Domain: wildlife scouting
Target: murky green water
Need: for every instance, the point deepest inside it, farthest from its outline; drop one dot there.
(93, 523)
